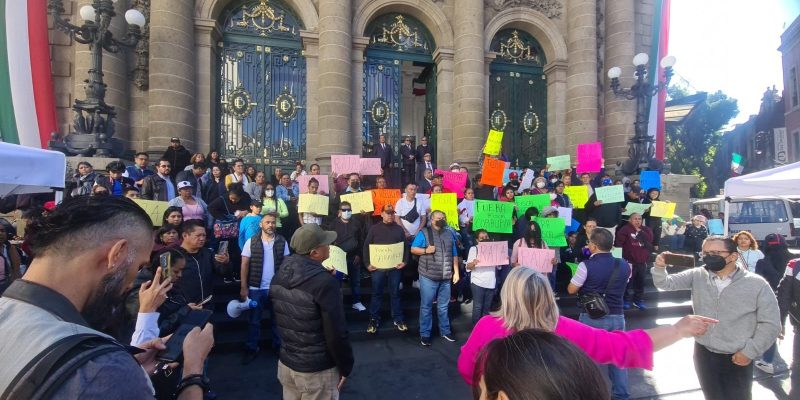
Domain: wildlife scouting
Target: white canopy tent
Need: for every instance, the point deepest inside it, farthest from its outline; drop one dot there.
(783, 181)
(30, 170)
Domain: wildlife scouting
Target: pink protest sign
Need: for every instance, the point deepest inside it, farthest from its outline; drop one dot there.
(590, 157)
(370, 166)
(345, 163)
(454, 182)
(541, 260)
(302, 182)
(491, 254)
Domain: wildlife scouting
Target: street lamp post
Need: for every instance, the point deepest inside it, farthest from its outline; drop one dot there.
(94, 119)
(641, 150)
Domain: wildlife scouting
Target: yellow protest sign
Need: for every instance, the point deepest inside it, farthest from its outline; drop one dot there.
(662, 209)
(385, 256)
(155, 209)
(336, 260)
(313, 203)
(446, 203)
(579, 195)
(361, 201)
(493, 143)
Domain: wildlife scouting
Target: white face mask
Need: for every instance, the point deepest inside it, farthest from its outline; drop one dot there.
(269, 193)
(540, 185)
(347, 214)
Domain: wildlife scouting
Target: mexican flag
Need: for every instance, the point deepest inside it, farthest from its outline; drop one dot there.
(736, 164)
(27, 109)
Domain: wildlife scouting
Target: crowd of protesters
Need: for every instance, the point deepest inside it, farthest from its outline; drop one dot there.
(229, 221)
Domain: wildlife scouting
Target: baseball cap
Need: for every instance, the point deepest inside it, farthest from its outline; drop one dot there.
(184, 184)
(174, 139)
(549, 210)
(774, 239)
(513, 175)
(309, 237)
(49, 206)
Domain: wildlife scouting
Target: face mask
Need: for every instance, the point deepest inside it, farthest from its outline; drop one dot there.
(635, 187)
(714, 263)
(540, 185)
(607, 182)
(347, 214)
(355, 184)
(440, 223)
(269, 193)
(553, 181)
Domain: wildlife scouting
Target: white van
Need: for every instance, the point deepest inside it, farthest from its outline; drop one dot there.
(758, 216)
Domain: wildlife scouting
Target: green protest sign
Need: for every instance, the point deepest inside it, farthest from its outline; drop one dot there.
(494, 216)
(610, 194)
(553, 231)
(573, 267)
(558, 163)
(540, 201)
(637, 208)
(616, 252)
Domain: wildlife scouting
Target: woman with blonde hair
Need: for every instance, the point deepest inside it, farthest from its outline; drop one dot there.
(197, 158)
(527, 302)
(748, 249)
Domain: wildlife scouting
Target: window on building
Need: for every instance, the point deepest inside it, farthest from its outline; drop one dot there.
(793, 87)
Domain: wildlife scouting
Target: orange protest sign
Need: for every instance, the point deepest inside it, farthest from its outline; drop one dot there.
(381, 197)
(492, 173)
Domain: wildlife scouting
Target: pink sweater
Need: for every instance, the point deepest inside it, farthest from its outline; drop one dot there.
(624, 349)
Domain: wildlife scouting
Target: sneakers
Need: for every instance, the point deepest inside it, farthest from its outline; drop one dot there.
(765, 366)
(425, 341)
(373, 326)
(640, 305)
(227, 280)
(401, 286)
(359, 307)
(626, 305)
(249, 356)
(415, 284)
(401, 326)
(449, 338)
(237, 279)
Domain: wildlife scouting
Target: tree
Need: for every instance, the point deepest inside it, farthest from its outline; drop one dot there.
(691, 145)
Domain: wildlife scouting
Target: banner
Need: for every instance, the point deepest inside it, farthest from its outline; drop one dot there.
(492, 173)
(155, 209)
(448, 204)
(637, 208)
(313, 203)
(579, 195)
(540, 201)
(553, 231)
(662, 209)
(492, 254)
(386, 256)
(361, 201)
(610, 194)
(382, 197)
(336, 260)
(541, 260)
(650, 179)
(302, 183)
(494, 141)
(590, 157)
(494, 216)
(345, 163)
(559, 163)
(370, 166)
(454, 182)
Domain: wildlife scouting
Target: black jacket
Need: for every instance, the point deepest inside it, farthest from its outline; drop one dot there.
(221, 207)
(408, 155)
(789, 294)
(178, 158)
(606, 214)
(106, 182)
(189, 176)
(155, 188)
(196, 280)
(307, 302)
(384, 154)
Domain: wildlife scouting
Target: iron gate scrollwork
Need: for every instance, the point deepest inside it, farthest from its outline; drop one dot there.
(262, 86)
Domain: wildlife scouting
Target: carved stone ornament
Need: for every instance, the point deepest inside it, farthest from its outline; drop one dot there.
(550, 8)
(263, 18)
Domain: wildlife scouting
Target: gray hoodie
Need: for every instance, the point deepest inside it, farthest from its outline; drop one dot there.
(747, 310)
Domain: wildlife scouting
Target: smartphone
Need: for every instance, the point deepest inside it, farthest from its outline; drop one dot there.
(223, 247)
(165, 260)
(679, 260)
(174, 350)
(206, 300)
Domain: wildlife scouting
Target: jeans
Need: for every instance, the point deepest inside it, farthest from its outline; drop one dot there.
(354, 275)
(720, 378)
(481, 302)
(769, 355)
(676, 242)
(618, 377)
(261, 296)
(379, 278)
(636, 284)
(428, 291)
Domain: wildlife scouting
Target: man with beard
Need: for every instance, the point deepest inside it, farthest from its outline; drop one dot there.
(88, 251)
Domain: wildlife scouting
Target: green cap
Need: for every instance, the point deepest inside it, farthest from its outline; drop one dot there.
(309, 237)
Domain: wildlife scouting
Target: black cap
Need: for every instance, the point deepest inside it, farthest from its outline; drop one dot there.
(175, 140)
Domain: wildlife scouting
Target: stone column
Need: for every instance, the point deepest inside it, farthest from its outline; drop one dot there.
(335, 79)
(619, 112)
(172, 74)
(444, 108)
(311, 52)
(206, 38)
(581, 107)
(557, 111)
(359, 45)
(469, 119)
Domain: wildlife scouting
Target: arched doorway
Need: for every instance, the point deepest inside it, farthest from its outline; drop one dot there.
(262, 81)
(399, 88)
(518, 97)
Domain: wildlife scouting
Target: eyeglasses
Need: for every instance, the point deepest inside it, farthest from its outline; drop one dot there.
(345, 209)
(713, 253)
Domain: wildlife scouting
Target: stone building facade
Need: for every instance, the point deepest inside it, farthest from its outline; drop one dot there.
(274, 81)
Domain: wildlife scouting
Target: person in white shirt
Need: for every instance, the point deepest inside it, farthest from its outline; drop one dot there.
(483, 280)
(410, 214)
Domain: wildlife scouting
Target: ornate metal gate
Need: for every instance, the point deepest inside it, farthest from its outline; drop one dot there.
(262, 86)
(518, 98)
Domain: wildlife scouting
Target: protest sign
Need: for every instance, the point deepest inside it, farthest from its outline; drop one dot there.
(590, 157)
(578, 195)
(448, 204)
(361, 201)
(650, 179)
(527, 180)
(565, 213)
(572, 267)
(313, 203)
(492, 254)
(540, 260)
(610, 194)
(155, 209)
(540, 201)
(423, 201)
(386, 256)
(573, 227)
(492, 172)
(494, 216)
(302, 183)
(616, 252)
(553, 231)
(493, 143)
(559, 163)
(662, 209)
(382, 197)
(345, 163)
(336, 260)
(637, 208)
(370, 166)
(454, 182)
(715, 227)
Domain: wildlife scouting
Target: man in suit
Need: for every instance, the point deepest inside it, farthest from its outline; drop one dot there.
(425, 184)
(408, 154)
(383, 151)
(421, 150)
(424, 163)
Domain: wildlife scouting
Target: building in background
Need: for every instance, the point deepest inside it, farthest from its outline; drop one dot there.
(790, 51)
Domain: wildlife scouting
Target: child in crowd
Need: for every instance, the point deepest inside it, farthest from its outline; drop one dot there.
(250, 224)
(483, 280)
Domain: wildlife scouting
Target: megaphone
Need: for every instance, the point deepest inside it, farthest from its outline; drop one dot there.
(236, 307)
